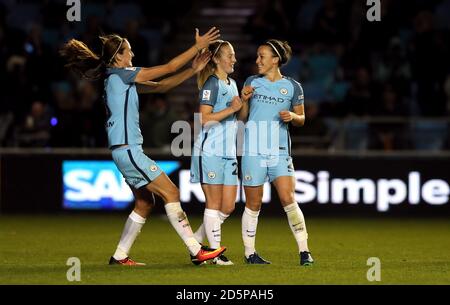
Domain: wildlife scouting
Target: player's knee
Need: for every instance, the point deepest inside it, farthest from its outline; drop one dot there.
(171, 195)
(227, 210)
(143, 206)
(253, 205)
(287, 198)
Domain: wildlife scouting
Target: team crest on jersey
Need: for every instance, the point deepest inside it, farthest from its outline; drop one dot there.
(212, 175)
(153, 168)
(130, 68)
(206, 95)
(248, 177)
(284, 91)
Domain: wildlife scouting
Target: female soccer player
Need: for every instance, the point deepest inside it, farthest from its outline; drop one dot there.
(214, 162)
(270, 102)
(122, 83)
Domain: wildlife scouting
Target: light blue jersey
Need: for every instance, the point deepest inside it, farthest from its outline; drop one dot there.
(265, 132)
(218, 139)
(122, 102)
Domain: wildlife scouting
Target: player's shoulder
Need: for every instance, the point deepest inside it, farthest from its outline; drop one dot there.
(252, 78)
(294, 82)
(211, 81)
(118, 71)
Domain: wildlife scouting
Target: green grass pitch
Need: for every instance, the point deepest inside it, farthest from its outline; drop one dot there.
(35, 249)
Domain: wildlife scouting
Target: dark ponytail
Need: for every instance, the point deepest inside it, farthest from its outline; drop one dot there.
(85, 62)
(280, 49)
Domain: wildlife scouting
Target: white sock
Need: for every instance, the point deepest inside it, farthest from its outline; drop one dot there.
(212, 223)
(200, 234)
(249, 224)
(131, 230)
(298, 225)
(223, 217)
(180, 223)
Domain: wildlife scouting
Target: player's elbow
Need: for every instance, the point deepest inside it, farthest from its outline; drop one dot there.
(299, 122)
(162, 89)
(207, 121)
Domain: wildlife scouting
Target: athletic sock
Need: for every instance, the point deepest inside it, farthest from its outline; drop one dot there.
(297, 225)
(223, 217)
(212, 225)
(249, 225)
(200, 234)
(180, 223)
(131, 230)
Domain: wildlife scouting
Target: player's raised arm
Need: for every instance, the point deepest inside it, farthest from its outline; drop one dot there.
(201, 42)
(166, 84)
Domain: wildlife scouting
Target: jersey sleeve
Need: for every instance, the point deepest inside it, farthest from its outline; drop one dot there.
(297, 98)
(128, 75)
(248, 81)
(208, 93)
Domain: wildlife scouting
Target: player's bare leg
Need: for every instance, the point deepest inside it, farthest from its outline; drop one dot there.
(166, 189)
(144, 202)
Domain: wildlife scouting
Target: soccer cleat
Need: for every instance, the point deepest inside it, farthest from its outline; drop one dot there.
(194, 259)
(306, 258)
(255, 259)
(124, 262)
(206, 254)
(222, 260)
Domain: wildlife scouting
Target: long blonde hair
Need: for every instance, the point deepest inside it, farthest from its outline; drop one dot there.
(215, 49)
(82, 60)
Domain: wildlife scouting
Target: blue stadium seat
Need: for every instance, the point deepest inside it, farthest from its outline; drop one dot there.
(293, 68)
(356, 135)
(428, 135)
(307, 13)
(314, 90)
(93, 9)
(121, 13)
(322, 66)
(339, 90)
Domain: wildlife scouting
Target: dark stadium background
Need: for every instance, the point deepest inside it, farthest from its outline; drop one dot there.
(377, 93)
(372, 161)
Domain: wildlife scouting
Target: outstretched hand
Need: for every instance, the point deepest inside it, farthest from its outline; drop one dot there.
(200, 61)
(204, 41)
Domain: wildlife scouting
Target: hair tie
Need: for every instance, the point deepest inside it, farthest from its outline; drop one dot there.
(115, 53)
(218, 47)
(276, 51)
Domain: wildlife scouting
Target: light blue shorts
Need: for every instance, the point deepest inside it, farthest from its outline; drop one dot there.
(256, 170)
(214, 170)
(138, 169)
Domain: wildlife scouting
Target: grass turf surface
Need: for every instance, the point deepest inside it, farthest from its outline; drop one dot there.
(34, 250)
